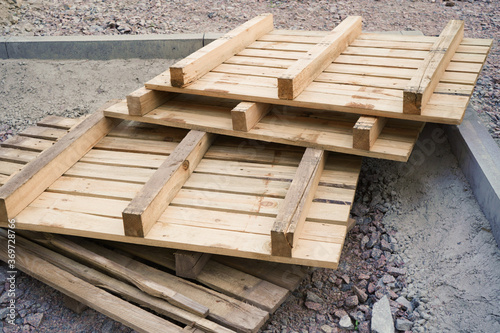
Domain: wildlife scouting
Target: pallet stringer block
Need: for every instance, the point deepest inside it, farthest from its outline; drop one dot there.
(421, 87)
(148, 205)
(34, 178)
(297, 77)
(246, 115)
(366, 131)
(293, 210)
(207, 58)
(144, 100)
(189, 264)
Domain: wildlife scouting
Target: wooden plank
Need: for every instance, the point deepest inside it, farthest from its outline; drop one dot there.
(134, 277)
(189, 264)
(113, 285)
(205, 59)
(39, 174)
(294, 209)
(421, 87)
(366, 131)
(26, 143)
(230, 281)
(297, 77)
(96, 298)
(46, 133)
(17, 155)
(9, 168)
(74, 305)
(247, 114)
(59, 122)
(145, 209)
(144, 100)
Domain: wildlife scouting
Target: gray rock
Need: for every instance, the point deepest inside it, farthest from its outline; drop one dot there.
(376, 253)
(351, 301)
(34, 319)
(382, 321)
(396, 271)
(328, 329)
(405, 304)
(3, 313)
(346, 323)
(388, 279)
(403, 324)
(312, 297)
(386, 246)
(374, 239)
(362, 296)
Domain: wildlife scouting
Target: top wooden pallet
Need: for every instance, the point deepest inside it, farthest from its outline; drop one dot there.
(428, 79)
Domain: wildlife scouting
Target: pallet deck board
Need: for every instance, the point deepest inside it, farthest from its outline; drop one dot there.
(227, 206)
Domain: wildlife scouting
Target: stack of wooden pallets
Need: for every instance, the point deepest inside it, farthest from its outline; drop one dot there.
(250, 147)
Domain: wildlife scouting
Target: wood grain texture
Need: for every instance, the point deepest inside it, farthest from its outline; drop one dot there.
(189, 264)
(145, 209)
(39, 174)
(294, 209)
(366, 131)
(205, 59)
(297, 77)
(421, 87)
(246, 115)
(144, 100)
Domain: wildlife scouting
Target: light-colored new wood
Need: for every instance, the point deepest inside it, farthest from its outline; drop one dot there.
(366, 131)
(247, 114)
(295, 207)
(189, 264)
(46, 133)
(205, 59)
(144, 100)
(84, 292)
(297, 77)
(421, 87)
(39, 174)
(59, 122)
(145, 209)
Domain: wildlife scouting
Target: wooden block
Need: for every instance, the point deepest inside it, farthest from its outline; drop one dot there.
(421, 87)
(293, 210)
(86, 293)
(145, 209)
(74, 305)
(205, 59)
(144, 100)
(20, 190)
(297, 77)
(189, 264)
(246, 114)
(366, 131)
(350, 223)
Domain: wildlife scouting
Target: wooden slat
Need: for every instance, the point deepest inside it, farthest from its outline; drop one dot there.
(59, 122)
(366, 131)
(39, 174)
(46, 133)
(144, 100)
(125, 290)
(247, 114)
(205, 59)
(294, 209)
(17, 155)
(297, 77)
(189, 264)
(96, 298)
(137, 278)
(27, 143)
(145, 209)
(421, 87)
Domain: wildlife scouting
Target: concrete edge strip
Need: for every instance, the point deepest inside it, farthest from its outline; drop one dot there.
(479, 158)
(477, 153)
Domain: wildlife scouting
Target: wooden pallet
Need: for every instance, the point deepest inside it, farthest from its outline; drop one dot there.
(99, 276)
(339, 132)
(188, 190)
(407, 77)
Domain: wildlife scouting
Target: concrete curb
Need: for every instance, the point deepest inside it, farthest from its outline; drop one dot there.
(479, 158)
(103, 47)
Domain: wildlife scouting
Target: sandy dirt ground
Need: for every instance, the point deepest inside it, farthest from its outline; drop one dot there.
(442, 236)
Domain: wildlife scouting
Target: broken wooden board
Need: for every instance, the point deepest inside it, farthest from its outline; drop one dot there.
(227, 206)
(237, 301)
(287, 125)
(368, 77)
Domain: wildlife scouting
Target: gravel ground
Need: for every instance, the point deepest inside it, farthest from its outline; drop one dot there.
(96, 17)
